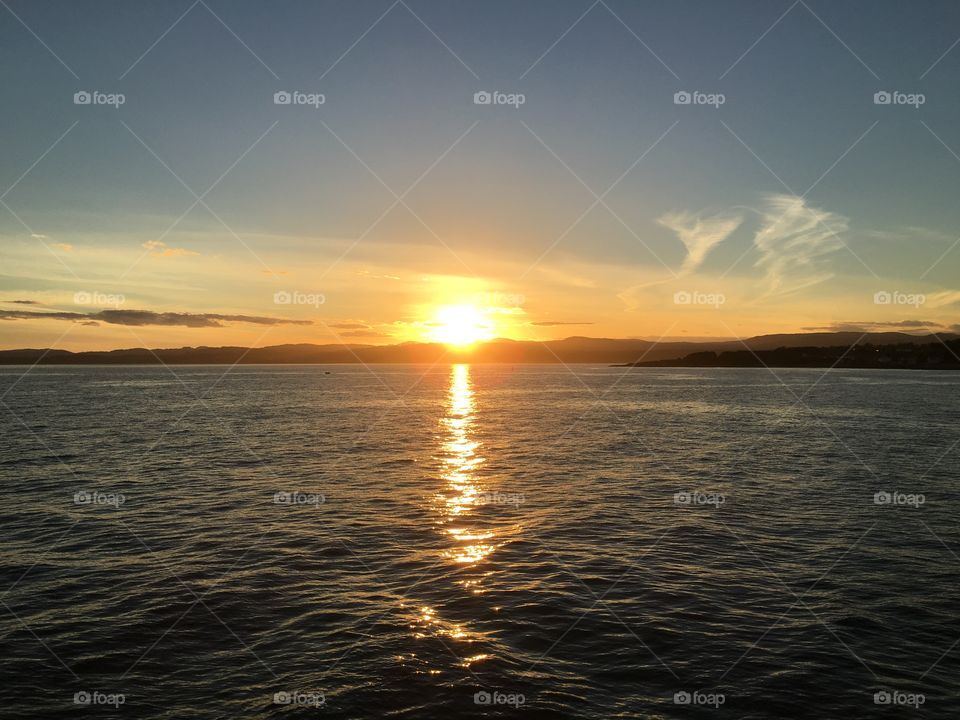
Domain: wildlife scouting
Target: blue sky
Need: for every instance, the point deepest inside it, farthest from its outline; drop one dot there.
(868, 191)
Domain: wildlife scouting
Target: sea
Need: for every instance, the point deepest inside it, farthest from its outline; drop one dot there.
(478, 541)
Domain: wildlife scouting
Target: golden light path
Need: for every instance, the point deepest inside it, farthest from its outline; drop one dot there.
(470, 543)
(460, 462)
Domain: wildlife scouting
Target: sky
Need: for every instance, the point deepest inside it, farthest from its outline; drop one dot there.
(529, 169)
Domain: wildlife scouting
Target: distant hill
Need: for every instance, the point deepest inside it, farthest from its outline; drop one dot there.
(905, 356)
(569, 350)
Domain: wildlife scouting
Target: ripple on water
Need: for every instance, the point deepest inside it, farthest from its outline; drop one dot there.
(501, 532)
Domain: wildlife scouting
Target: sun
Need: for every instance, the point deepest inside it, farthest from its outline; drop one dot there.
(460, 326)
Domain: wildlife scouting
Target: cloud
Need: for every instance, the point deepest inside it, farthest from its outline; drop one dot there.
(699, 235)
(66, 247)
(148, 317)
(160, 249)
(357, 329)
(22, 302)
(878, 326)
(553, 323)
(941, 298)
(794, 240)
(367, 273)
(365, 333)
(273, 273)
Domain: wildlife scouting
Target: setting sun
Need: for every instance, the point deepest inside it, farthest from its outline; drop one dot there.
(460, 325)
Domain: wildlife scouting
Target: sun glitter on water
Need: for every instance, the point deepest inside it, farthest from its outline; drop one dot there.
(460, 326)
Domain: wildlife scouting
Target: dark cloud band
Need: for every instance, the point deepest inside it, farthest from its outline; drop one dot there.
(148, 317)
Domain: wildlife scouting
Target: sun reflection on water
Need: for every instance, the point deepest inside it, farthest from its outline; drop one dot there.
(460, 460)
(469, 540)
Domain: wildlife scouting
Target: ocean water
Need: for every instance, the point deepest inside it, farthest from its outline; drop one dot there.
(478, 541)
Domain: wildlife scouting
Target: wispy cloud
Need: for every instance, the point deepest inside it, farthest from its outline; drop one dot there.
(552, 323)
(352, 328)
(794, 240)
(942, 298)
(148, 317)
(22, 302)
(367, 273)
(158, 248)
(879, 326)
(368, 333)
(699, 235)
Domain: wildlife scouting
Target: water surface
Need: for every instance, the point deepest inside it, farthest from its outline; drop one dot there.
(390, 541)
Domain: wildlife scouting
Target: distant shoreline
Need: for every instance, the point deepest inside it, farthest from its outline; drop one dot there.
(813, 350)
(943, 355)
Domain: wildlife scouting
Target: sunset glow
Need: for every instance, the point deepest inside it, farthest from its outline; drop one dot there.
(460, 326)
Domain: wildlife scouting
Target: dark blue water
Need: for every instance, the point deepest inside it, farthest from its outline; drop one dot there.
(569, 543)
